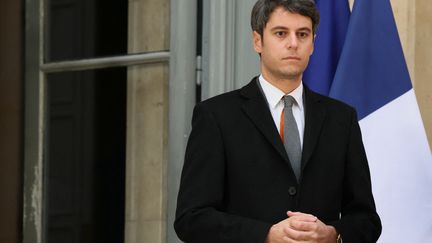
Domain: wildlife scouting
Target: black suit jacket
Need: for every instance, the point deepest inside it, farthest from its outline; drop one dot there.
(237, 180)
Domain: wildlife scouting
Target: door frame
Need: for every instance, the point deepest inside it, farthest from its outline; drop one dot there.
(182, 69)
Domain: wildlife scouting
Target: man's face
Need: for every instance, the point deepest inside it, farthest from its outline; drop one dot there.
(286, 45)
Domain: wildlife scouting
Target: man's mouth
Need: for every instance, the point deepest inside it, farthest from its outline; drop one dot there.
(295, 58)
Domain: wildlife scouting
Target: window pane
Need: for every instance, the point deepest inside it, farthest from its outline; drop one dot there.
(85, 172)
(86, 28)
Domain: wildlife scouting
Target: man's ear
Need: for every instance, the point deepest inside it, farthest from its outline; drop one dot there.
(257, 42)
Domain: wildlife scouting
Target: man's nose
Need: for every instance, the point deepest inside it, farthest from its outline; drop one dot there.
(292, 41)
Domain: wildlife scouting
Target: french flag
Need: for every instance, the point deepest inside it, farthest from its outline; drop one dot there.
(329, 42)
(372, 76)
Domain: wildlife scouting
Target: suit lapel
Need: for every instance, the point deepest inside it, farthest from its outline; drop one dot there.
(257, 110)
(314, 118)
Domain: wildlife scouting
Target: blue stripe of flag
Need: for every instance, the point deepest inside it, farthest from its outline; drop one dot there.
(329, 42)
(372, 69)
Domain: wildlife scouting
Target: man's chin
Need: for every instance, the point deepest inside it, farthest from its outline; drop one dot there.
(291, 75)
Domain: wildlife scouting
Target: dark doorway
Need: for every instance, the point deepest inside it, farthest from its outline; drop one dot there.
(86, 124)
(86, 156)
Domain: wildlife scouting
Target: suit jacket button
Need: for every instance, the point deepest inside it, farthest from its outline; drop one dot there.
(292, 191)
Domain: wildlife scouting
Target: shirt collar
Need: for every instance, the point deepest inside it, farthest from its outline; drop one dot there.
(274, 95)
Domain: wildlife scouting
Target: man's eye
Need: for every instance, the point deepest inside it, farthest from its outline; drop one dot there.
(302, 35)
(280, 34)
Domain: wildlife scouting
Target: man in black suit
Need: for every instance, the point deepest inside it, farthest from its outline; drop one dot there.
(274, 161)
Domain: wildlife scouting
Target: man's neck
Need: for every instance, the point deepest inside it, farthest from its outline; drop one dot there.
(286, 85)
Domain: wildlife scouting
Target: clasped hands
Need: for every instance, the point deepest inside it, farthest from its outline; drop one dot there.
(301, 227)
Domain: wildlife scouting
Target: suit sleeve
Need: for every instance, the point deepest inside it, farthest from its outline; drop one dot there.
(200, 215)
(359, 221)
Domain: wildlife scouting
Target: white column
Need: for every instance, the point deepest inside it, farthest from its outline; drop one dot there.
(147, 125)
(229, 60)
(181, 97)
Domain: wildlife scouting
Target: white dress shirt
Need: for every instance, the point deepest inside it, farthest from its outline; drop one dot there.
(274, 100)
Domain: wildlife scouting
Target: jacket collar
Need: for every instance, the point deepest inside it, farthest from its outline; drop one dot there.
(256, 108)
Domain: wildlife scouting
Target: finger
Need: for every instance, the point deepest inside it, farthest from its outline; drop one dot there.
(297, 235)
(291, 213)
(301, 225)
(286, 239)
(302, 216)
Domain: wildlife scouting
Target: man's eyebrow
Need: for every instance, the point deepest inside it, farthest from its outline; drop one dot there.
(305, 29)
(279, 28)
(285, 28)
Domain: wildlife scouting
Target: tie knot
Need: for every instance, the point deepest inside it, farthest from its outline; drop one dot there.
(288, 100)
